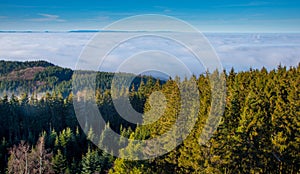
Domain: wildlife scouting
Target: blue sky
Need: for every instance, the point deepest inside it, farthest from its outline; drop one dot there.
(220, 16)
(261, 20)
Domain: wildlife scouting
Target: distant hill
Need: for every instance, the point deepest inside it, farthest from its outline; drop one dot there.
(9, 66)
(33, 76)
(41, 76)
(22, 74)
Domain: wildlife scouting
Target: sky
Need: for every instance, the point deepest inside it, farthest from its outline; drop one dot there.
(207, 16)
(243, 33)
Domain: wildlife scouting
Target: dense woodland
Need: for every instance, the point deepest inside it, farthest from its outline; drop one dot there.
(259, 130)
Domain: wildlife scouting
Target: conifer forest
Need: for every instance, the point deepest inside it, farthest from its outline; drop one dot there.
(259, 131)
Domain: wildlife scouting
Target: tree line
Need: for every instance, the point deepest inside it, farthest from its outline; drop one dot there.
(258, 132)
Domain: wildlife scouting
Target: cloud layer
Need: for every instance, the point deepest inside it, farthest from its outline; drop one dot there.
(240, 51)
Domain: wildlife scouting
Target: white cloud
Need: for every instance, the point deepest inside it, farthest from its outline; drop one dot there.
(60, 48)
(240, 51)
(46, 18)
(256, 50)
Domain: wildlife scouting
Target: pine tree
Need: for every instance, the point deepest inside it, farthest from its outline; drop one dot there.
(91, 162)
(59, 163)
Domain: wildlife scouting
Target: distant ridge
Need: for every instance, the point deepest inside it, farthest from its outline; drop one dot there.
(33, 31)
(84, 31)
(29, 31)
(33, 76)
(9, 66)
(41, 76)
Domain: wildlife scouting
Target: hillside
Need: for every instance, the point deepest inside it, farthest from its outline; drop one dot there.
(41, 76)
(33, 76)
(22, 74)
(10, 66)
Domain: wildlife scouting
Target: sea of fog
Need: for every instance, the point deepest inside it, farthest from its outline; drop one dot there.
(238, 50)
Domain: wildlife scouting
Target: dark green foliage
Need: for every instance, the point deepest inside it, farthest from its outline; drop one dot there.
(59, 163)
(34, 76)
(259, 131)
(9, 66)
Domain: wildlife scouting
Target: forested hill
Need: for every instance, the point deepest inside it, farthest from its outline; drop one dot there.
(41, 76)
(33, 76)
(7, 67)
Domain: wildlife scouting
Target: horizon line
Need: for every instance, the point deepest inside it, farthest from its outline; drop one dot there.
(99, 30)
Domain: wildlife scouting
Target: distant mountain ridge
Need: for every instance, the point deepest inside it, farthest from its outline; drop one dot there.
(23, 74)
(41, 76)
(33, 76)
(9, 66)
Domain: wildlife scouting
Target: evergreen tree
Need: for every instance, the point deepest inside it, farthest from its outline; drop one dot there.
(59, 163)
(91, 162)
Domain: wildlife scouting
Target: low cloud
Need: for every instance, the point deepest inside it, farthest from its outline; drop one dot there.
(240, 51)
(243, 51)
(60, 48)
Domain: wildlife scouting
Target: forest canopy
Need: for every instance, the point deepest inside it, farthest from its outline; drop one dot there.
(258, 133)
